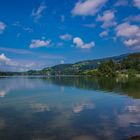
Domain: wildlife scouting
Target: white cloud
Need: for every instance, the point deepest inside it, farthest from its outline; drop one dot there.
(6, 61)
(108, 19)
(130, 34)
(137, 3)
(135, 18)
(13, 65)
(131, 42)
(37, 14)
(39, 43)
(66, 37)
(80, 43)
(127, 30)
(103, 34)
(88, 7)
(36, 61)
(3, 58)
(2, 26)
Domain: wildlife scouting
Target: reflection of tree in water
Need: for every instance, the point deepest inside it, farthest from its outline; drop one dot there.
(83, 120)
(2, 123)
(130, 87)
(134, 138)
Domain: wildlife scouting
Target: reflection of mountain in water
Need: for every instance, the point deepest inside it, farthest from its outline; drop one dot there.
(129, 87)
(51, 109)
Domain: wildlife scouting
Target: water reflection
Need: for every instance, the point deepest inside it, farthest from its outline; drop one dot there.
(81, 106)
(69, 108)
(130, 87)
(39, 107)
(2, 94)
(130, 115)
(2, 123)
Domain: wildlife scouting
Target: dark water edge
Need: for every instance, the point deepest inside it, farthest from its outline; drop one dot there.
(72, 108)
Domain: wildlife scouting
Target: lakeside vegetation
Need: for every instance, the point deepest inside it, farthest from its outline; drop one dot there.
(121, 66)
(128, 67)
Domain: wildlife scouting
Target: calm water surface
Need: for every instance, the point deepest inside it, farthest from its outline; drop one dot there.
(68, 108)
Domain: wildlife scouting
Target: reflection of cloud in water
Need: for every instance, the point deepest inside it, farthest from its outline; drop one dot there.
(130, 116)
(62, 120)
(39, 107)
(10, 84)
(62, 89)
(80, 107)
(103, 123)
(126, 119)
(2, 94)
(133, 108)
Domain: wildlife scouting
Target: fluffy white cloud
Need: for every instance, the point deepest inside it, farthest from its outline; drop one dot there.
(131, 42)
(137, 3)
(108, 19)
(130, 34)
(14, 65)
(4, 59)
(80, 43)
(103, 34)
(127, 30)
(39, 43)
(66, 37)
(88, 7)
(38, 12)
(2, 26)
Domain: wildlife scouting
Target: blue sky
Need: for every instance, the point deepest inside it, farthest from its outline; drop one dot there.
(39, 33)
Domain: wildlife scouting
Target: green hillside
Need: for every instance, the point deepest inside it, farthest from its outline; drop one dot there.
(127, 64)
(123, 63)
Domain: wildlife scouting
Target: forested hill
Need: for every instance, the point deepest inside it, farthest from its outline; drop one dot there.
(82, 65)
(127, 63)
(87, 66)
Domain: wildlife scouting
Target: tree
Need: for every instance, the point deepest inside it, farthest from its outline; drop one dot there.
(107, 69)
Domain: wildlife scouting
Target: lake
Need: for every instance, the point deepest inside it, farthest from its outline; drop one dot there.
(69, 108)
